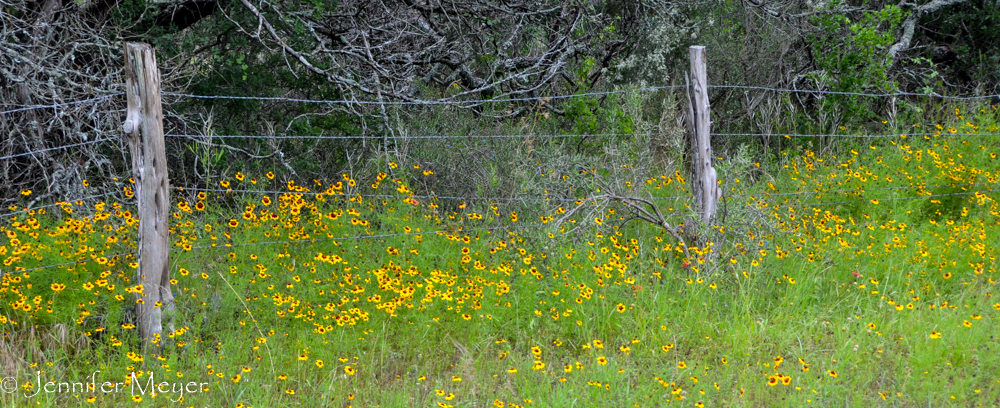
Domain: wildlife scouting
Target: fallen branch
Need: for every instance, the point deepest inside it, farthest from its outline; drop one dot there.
(636, 205)
(654, 217)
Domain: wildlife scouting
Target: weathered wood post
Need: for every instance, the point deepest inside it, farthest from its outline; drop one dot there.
(144, 130)
(704, 180)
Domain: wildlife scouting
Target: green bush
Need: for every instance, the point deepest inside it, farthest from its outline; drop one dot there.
(851, 57)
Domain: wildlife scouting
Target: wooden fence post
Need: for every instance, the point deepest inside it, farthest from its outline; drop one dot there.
(704, 180)
(144, 130)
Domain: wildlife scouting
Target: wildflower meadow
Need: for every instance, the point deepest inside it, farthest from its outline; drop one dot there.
(843, 272)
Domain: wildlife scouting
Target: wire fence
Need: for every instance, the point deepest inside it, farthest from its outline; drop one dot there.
(466, 103)
(508, 100)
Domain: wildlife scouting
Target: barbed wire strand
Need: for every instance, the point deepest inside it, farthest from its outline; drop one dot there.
(525, 136)
(871, 189)
(59, 105)
(533, 98)
(425, 197)
(81, 262)
(514, 136)
(834, 135)
(877, 95)
(886, 199)
(61, 203)
(354, 237)
(546, 98)
(511, 136)
(440, 102)
(54, 148)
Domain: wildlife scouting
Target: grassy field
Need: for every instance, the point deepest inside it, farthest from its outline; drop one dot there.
(860, 274)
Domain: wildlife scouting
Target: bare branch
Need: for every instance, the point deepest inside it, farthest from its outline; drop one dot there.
(911, 21)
